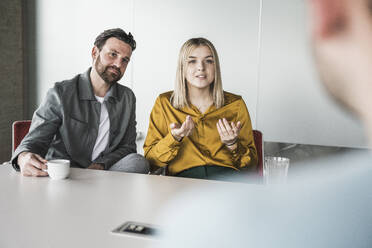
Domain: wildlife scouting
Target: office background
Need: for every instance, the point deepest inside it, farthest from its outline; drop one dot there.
(264, 51)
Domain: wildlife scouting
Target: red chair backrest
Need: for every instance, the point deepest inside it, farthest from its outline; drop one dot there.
(257, 135)
(19, 131)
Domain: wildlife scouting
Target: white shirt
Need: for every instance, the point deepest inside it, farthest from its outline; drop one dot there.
(103, 130)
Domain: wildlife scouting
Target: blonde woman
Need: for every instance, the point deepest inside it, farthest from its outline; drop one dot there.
(198, 130)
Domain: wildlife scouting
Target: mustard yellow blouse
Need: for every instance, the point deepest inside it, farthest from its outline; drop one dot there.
(204, 146)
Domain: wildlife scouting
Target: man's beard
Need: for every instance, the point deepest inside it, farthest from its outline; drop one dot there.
(105, 74)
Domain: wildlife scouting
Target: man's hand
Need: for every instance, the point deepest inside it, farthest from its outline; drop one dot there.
(178, 132)
(95, 166)
(229, 133)
(32, 164)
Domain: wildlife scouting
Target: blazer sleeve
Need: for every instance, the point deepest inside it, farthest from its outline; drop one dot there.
(245, 156)
(160, 147)
(45, 123)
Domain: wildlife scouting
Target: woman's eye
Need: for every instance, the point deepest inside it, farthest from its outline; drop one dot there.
(209, 61)
(192, 61)
(113, 54)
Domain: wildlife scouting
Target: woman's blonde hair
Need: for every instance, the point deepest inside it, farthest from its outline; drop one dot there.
(179, 98)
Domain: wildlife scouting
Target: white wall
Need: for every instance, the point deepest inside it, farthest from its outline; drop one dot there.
(66, 30)
(272, 70)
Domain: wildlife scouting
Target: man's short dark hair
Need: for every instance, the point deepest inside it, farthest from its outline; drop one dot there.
(117, 33)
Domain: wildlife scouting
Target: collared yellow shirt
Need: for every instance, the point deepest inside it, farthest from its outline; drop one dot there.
(203, 146)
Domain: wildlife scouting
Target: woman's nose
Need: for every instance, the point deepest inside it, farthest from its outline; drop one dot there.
(200, 66)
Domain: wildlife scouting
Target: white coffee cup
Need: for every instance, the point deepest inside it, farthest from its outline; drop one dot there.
(58, 168)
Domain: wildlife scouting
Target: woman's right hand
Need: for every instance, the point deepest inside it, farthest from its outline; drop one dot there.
(179, 131)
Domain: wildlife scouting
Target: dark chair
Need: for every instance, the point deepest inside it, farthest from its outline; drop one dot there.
(19, 131)
(258, 141)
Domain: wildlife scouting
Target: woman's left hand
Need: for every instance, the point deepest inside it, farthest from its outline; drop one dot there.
(228, 133)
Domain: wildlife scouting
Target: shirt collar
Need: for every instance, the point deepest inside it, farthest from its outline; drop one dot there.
(86, 88)
(112, 93)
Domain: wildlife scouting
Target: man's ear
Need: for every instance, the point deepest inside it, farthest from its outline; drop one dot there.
(95, 52)
(328, 17)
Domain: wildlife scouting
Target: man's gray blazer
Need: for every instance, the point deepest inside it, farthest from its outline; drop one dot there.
(66, 124)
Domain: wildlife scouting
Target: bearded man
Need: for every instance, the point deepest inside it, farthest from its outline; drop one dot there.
(89, 119)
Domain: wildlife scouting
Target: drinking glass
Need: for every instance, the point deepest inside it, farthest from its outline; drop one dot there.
(275, 170)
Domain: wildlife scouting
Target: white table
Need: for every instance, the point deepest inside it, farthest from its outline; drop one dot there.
(83, 210)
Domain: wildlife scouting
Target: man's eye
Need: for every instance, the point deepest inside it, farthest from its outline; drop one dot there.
(113, 55)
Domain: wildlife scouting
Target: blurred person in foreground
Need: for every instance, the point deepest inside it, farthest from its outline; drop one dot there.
(328, 202)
